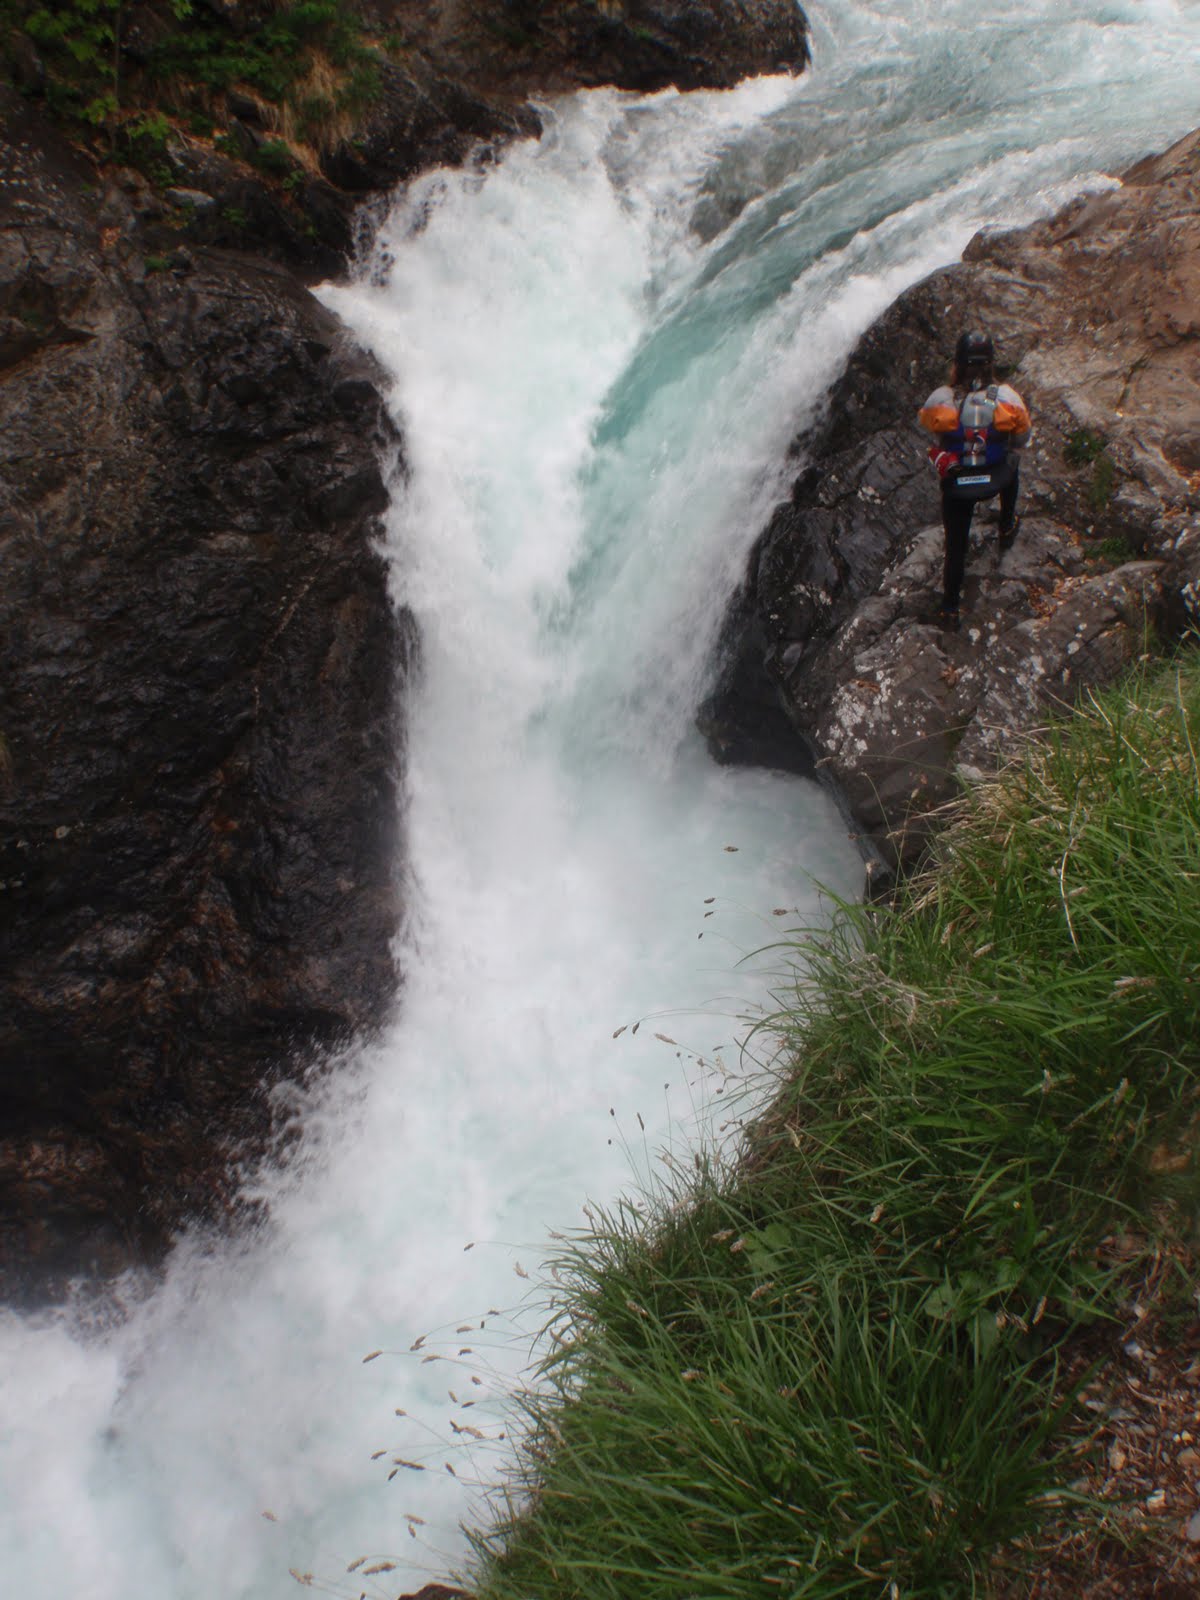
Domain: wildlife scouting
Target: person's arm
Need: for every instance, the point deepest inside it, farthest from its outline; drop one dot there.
(939, 414)
(1012, 418)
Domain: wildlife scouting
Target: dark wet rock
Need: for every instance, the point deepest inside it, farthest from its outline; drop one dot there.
(507, 50)
(215, 198)
(1095, 314)
(28, 68)
(422, 118)
(464, 73)
(199, 665)
(245, 108)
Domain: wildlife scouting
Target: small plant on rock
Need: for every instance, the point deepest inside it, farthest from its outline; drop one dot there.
(1083, 447)
(1113, 550)
(274, 157)
(1087, 448)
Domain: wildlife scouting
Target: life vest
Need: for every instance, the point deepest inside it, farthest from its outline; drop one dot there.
(980, 431)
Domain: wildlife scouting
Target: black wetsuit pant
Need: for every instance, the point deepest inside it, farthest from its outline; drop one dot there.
(956, 520)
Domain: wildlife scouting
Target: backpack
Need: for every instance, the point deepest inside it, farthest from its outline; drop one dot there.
(984, 466)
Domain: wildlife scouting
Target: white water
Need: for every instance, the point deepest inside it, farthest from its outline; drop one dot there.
(596, 403)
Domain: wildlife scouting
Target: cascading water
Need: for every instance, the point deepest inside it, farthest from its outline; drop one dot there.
(599, 349)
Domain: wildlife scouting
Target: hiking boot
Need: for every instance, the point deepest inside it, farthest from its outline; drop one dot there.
(1008, 534)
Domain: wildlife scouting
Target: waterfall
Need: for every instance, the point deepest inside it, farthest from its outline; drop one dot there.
(597, 348)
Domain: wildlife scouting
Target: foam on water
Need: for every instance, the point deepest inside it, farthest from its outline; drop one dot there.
(598, 349)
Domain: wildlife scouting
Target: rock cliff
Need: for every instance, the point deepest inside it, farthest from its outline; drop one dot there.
(199, 662)
(825, 657)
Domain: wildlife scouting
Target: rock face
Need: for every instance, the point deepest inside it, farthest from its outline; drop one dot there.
(507, 49)
(199, 665)
(465, 70)
(462, 72)
(1096, 317)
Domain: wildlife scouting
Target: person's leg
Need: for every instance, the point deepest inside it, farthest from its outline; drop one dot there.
(1009, 520)
(956, 520)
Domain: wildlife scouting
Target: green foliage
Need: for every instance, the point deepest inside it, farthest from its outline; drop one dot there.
(141, 141)
(1100, 489)
(1113, 550)
(1086, 448)
(101, 109)
(830, 1370)
(1083, 447)
(272, 60)
(150, 128)
(274, 156)
(91, 84)
(77, 39)
(157, 263)
(83, 29)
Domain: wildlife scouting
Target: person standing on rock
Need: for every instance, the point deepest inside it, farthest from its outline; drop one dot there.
(980, 425)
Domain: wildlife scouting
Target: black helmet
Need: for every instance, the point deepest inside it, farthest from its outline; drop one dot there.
(974, 350)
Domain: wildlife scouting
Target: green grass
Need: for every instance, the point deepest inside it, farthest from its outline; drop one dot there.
(830, 1368)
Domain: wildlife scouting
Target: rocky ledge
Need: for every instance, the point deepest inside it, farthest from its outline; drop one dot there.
(826, 660)
(199, 660)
